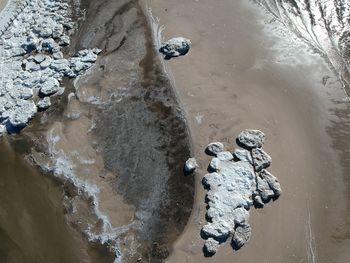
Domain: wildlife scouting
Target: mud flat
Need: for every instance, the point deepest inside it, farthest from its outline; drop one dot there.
(244, 70)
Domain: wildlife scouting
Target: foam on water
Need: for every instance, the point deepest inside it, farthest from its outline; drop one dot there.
(63, 168)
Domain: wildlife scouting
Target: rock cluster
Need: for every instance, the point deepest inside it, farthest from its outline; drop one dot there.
(237, 182)
(175, 47)
(32, 63)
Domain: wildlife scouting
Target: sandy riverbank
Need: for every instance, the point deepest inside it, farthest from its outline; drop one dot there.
(2, 4)
(243, 72)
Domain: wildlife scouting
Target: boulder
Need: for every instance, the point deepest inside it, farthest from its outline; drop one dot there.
(38, 58)
(60, 65)
(214, 148)
(19, 116)
(211, 246)
(261, 159)
(241, 236)
(30, 44)
(57, 31)
(49, 87)
(240, 216)
(175, 47)
(46, 63)
(77, 65)
(225, 156)
(50, 45)
(220, 231)
(190, 165)
(251, 138)
(64, 40)
(87, 56)
(44, 103)
(20, 92)
(31, 66)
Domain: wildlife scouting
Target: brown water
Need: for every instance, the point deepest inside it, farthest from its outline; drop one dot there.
(32, 224)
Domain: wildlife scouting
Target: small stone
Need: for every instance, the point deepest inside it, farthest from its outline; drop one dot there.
(175, 47)
(261, 159)
(225, 156)
(39, 58)
(214, 148)
(190, 165)
(241, 236)
(251, 138)
(44, 103)
(211, 246)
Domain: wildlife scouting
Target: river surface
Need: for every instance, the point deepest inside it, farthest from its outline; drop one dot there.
(32, 224)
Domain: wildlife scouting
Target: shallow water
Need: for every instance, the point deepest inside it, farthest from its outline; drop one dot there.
(32, 225)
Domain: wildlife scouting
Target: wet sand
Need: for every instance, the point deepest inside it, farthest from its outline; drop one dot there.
(244, 71)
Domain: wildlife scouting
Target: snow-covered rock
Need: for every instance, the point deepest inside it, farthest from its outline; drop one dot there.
(214, 148)
(211, 246)
(49, 87)
(190, 165)
(261, 159)
(44, 103)
(234, 187)
(175, 47)
(225, 156)
(241, 236)
(251, 138)
(19, 115)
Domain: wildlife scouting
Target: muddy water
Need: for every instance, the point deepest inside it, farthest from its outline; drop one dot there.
(32, 224)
